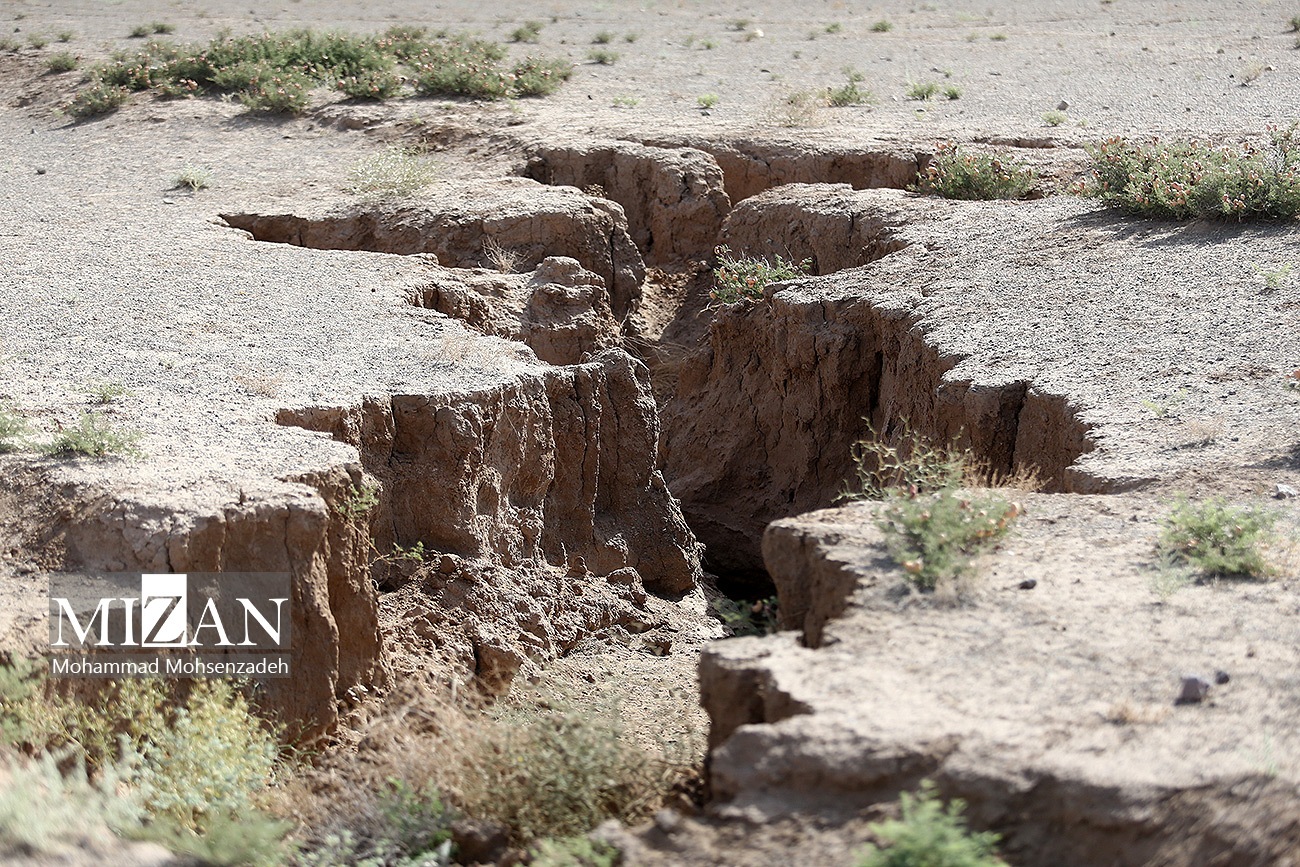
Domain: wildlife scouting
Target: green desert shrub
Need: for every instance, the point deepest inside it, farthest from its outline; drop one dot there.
(930, 835)
(94, 437)
(46, 808)
(1189, 179)
(371, 84)
(936, 536)
(99, 98)
(954, 174)
(275, 71)
(922, 90)
(529, 31)
(277, 92)
(191, 772)
(602, 56)
(1218, 539)
(933, 528)
(851, 92)
(744, 278)
(535, 76)
(63, 61)
(742, 617)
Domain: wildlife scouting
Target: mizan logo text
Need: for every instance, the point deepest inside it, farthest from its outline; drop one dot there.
(164, 619)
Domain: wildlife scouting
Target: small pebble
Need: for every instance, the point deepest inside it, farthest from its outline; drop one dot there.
(1027, 584)
(1285, 492)
(40, 171)
(1195, 688)
(1221, 677)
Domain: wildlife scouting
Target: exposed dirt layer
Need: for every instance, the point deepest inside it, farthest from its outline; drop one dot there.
(1052, 710)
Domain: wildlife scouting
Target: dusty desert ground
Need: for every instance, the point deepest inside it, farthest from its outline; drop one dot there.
(590, 455)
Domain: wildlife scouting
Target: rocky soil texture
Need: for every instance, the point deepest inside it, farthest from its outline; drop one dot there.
(516, 377)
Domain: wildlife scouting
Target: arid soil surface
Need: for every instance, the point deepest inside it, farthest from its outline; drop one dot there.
(585, 450)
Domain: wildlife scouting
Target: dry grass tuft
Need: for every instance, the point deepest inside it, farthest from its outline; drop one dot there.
(538, 766)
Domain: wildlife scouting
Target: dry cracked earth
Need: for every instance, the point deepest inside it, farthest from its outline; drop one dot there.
(522, 365)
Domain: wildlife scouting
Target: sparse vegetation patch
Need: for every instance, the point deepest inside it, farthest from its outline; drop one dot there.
(955, 174)
(1218, 539)
(1190, 179)
(94, 437)
(744, 278)
(276, 71)
(931, 835)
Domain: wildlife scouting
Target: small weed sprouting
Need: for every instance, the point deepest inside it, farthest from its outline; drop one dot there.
(882, 26)
(851, 93)
(954, 174)
(1217, 539)
(1055, 117)
(1189, 179)
(65, 36)
(742, 617)
(9, 44)
(707, 101)
(738, 25)
(529, 31)
(631, 37)
(410, 553)
(834, 27)
(604, 37)
(394, 173)
(108, 392)
(625, 102)
(573, 852)
(192, 178)
(140, 31)
(602, 56)
(999, 37)
(357, 504)
(1294, 23)
(744, 278)
(162, 28)
(38, 40)
(930, 835)
(13, 428)
(64, 61)
(951, 92)
(93, 437)
(1274, 278)
(922, 90)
